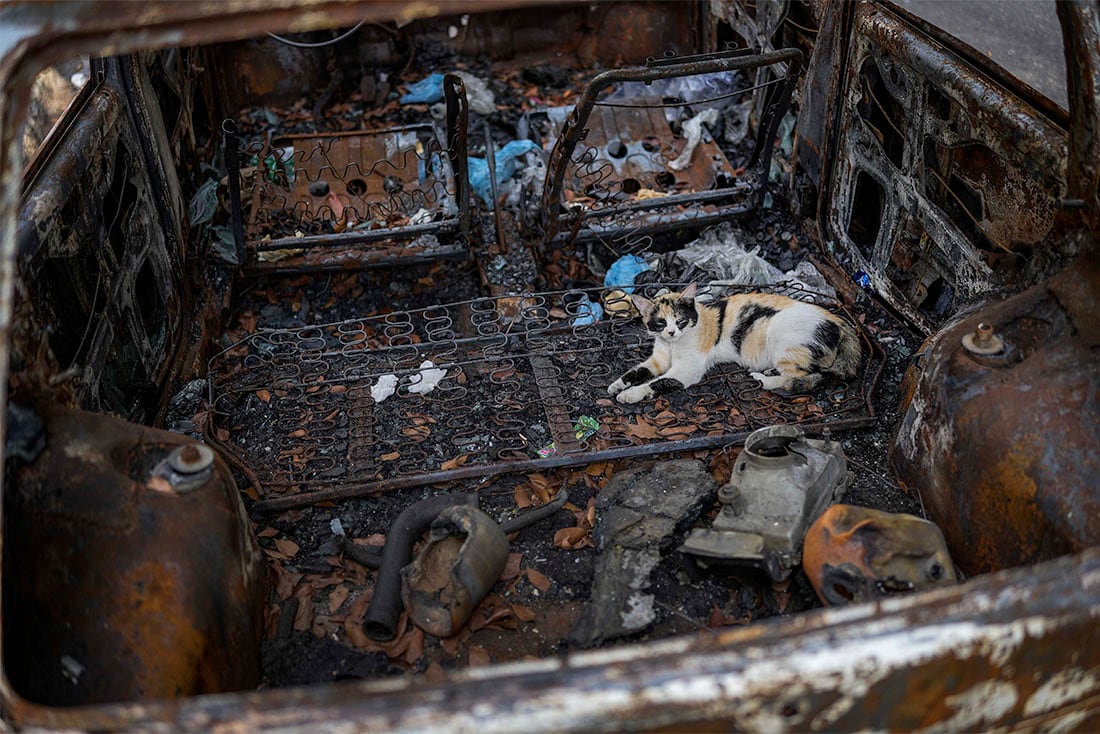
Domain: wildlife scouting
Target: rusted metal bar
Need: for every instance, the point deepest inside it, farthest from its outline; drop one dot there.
(294, 260)
(1081, 30)
(458, 115)
(305, 499)
(232, 142)
(357, 237)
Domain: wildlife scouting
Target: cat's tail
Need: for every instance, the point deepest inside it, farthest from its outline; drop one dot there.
(849, 353)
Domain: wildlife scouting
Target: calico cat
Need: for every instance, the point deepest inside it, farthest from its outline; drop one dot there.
(760, 331)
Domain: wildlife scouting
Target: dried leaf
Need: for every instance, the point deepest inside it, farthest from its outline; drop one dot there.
(642, 429)
(434, 673)
(355, 634)
(523, 496)
(391, 456)
(455, 462)
(264, 395)
(287, 547)
(268, 532)
(416, 646)
(286, 583)
(337, 597)
(303, 620)
(298, 433)
(572, 538)
(479, 656)
(596, 469)
(523, 614)
(538, 580)
(511, 569)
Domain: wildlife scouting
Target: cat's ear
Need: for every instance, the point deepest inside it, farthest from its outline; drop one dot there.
(688, 293)
(644, 305)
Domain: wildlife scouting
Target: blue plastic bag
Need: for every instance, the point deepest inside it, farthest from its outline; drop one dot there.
(426, 91)
(505, 160)
(588, 311)
(623, 271)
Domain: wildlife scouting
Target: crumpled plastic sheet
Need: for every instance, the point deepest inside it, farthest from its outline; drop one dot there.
(623, 271)
(426, 91)
(701, 91)
(693, 130)
(505, 160)
(719, 252)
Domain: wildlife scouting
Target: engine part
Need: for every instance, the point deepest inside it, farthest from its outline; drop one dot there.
(1003, 448)
(464, 557)
(854, 554)
(380, 622)
(781, 483)
(130, 571)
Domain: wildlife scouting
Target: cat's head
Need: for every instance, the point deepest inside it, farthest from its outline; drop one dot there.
(670, 315)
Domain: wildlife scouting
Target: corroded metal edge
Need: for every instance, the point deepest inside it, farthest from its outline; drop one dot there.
(1016, 649)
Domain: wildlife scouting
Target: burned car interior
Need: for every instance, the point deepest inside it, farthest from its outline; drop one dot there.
(313, 314)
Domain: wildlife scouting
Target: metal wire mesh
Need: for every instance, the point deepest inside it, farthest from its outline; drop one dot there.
(525, 386)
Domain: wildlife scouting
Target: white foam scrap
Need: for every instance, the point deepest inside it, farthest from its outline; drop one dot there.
(337, 526)
(429, 376)
(386, 386)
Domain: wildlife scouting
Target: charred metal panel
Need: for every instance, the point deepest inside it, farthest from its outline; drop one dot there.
(945, 184)
(94, 236)
(123, 579)
(1004, 448)
(1017, 649)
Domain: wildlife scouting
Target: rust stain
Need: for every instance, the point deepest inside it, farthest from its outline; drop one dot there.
(150, 615)
(1007, 492)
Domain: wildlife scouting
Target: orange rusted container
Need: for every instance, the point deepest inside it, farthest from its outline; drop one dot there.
(130, 569)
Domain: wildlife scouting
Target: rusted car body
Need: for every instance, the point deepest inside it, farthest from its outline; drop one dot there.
(961, 197)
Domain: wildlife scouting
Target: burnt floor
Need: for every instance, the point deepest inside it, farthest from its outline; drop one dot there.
(315, 611)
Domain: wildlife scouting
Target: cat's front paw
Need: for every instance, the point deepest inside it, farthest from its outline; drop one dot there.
(616, 387)
(635, 394)
(768, 382)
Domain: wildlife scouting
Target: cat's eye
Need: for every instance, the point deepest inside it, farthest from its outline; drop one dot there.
(659, 323)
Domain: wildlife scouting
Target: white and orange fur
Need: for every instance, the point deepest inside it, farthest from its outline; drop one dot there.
(762, 332)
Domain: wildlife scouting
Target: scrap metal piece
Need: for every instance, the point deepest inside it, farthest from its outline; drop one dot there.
(1004, 451)
(855, 554)
(464, 557)
(117, 590)
(781, 483)
(186, 468)
(380, 622)
(983, 341)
